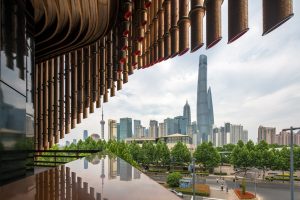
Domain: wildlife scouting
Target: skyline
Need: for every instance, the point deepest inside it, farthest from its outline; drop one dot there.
(250, 85)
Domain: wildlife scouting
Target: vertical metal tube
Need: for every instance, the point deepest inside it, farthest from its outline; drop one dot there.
(50, 102)
(67, 92)
(237, 19)
(45, 105)
(196, 19)
(40, 105)
(73, 89)
(275, 13)
(167, 26)
(55, 104)
(61, 97)
(94, 78)
(85, 81)
(102, 66)
(213, 22)
(184, 24)
(98, 101)
(174, 28)
(80, 87)
(109, 58)
(161, 27)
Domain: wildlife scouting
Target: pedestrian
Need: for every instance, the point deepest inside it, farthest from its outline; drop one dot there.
(217, 180)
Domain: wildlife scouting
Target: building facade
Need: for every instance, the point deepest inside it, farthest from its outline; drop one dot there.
(153, 129)
(136, 127)
(112, 129)
(187, 113)
(205, 117)
(125, 128)
(267, 134)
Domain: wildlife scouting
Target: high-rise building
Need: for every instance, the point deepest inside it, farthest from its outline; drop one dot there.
(153, 129)
(169, 126)
(125, 128)
(180, 123)
(85, 134)
(136, 128)
(118, 132)
(204, 103)
(74, 141)
(102, 122)
(112, 129)
(267, 134)
(187, 113)
(161, 130)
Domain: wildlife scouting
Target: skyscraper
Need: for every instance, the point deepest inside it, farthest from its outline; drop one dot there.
(180, 123)
(153, 129)
(85, 134)
(112, 129)
(102, 122)
(125, 128)
(204, 103)
(187, 113)
(136, 128)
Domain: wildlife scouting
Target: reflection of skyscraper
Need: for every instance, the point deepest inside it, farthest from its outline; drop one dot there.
(112, 168)
(102, 122)
(125, 171)
(85, 164)
(187, 113)
(204, 103)
(136, 174)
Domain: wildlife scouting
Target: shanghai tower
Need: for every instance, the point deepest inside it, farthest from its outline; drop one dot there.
(205, 116)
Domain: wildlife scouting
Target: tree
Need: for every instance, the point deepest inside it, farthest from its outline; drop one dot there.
(180, 154)
(173, 179)
(149, 153)
(163, 153)
(264, 158)
(135, 151)
(228, 147)
(207, 155)
(242, 158)
(282, 160)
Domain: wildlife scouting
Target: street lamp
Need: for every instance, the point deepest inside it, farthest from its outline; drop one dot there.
(291, 159)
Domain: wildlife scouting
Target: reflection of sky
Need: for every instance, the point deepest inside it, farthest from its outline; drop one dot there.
(130, 184)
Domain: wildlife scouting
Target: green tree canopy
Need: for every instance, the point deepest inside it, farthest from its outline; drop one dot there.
(173, 179)
(207, 155)
(180, 153)
(163, 153)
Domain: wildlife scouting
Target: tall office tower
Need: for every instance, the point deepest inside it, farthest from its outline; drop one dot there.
(85, 134)
(187, 113)
(234, 133)
(180, 124)
(102, 122)
(204, 103)
(125, 128)
(161, 129)
(136, 128)
(118, 132)
(153, 129)
(267, 134)
(169, 126)
(112, 129)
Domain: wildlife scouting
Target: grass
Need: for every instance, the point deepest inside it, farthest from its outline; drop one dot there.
(247, 195)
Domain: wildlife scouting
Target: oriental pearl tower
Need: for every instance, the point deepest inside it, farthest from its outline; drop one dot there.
(102, 122)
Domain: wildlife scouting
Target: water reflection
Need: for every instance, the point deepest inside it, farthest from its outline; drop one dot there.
(91, 178)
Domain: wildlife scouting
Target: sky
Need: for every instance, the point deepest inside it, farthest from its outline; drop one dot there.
(254, 81)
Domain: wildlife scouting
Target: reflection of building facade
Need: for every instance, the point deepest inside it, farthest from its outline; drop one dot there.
(112, 168)
(125, 171)
(136, 174)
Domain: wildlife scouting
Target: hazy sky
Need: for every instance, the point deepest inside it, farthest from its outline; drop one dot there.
(254, 81)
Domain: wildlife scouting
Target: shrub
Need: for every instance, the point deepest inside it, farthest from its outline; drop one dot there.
(173, 179)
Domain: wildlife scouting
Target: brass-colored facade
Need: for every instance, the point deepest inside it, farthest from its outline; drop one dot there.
(86, 50)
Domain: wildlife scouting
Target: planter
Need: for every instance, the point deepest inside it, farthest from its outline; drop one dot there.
(246, 196)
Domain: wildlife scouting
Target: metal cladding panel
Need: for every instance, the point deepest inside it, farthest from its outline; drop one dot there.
(275, 13)
(237, 19)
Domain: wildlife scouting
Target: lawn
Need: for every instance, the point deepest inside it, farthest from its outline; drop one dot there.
(200, 189)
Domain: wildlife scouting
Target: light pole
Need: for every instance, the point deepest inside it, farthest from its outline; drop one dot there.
(193, 163)
(292, 159)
